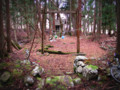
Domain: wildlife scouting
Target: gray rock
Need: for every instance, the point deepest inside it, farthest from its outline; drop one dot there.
(37, 71)
(80, 63)
(79, 69)
(89, 73)
(5, 76)
(68, 73)
(75, 66)
(80, 58)
(25, 62)
(28, 80)
(77, 80)
(34, 63)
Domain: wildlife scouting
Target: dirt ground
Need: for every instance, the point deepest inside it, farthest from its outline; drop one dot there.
(56, 64)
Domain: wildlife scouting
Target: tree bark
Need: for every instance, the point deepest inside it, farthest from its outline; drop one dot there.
(9, 49)
(2, 39)
(94, 25)
(118, 27)
(43, 28)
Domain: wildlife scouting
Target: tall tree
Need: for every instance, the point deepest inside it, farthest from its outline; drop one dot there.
(94, 25)
(78, 25)
(2, 48)
(9, 49)
(118, 26)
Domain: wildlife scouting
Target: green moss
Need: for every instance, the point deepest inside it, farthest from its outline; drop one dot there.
(80, 75)
(28, 67)
(3, 65)
(17, 72)
(52, 81)
(61, 87)
(40, 82)
(92, 66)
(17, 66)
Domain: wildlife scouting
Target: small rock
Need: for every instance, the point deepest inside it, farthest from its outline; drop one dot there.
(102, 47)
(28, 80)
(69, 73)
(34, 63)
(104, 62)
(25, 62)
(37, 71)
(77, 80)
(80, 63)
(5, 76)
(67, 81)
(79, 69)
(102, 77)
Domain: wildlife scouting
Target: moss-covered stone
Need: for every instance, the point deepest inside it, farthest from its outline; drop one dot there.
(77, 81)
(92, 67)
(17, 72)
(41, 83)
(5, 76)
(64, 80)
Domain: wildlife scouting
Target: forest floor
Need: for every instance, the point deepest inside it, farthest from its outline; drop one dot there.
(57, 64)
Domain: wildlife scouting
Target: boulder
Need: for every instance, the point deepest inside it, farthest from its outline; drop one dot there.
(80, 58)
(37, 71)
(90, 72)
(28, 80)
(80, 63)
(79, 69)
(5, 76)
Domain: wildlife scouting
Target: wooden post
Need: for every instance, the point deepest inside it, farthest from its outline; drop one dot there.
(78, 31)
(78, 25)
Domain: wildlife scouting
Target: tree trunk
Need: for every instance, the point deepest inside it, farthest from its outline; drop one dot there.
(53, 16)
(70, 20)
(43, 28)
(2, 39)
(9, 49)
(118, 27)
(94, 25)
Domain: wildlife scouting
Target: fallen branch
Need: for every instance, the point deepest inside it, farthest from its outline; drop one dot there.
(55, 52)
(48, 46)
